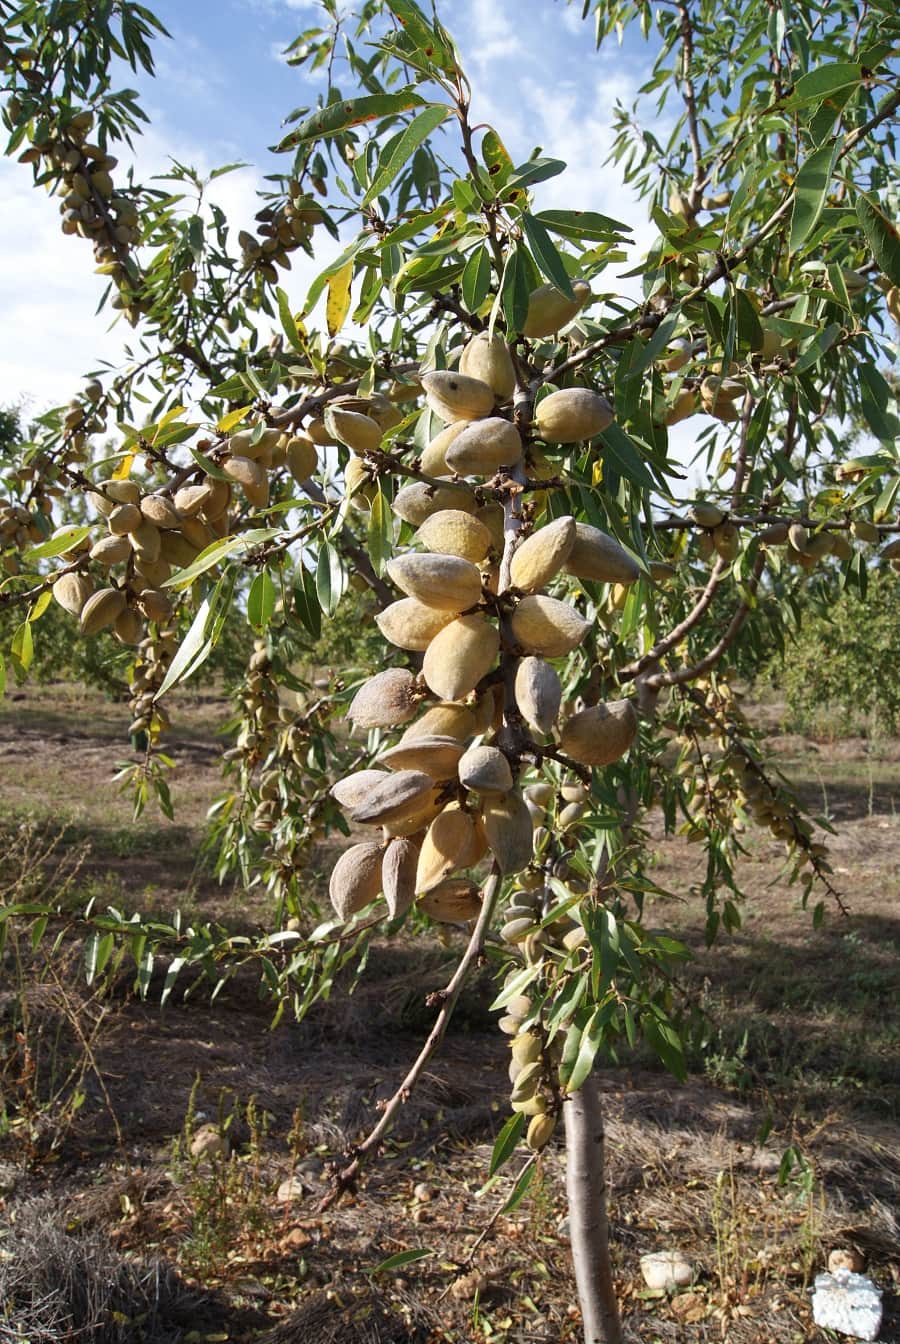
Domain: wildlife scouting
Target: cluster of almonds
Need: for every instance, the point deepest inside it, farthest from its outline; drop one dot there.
(442, 799)
(90, 205)
(282, 229)
(154, 654)
(804, 546)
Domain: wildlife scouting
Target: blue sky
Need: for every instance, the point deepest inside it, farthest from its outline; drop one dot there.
(221, 94)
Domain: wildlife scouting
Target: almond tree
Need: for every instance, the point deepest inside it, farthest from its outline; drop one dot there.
(475, 447)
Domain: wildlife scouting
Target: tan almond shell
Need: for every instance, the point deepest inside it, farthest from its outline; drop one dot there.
(454, 396)
(434, 459)
(355, 789)
(160, 511)
(359, 433)
(437, 755)
(459, 656)
(448, 844)
(385, 700)
(398, 875)
(487, 357)
(409, 624)
(453, 532)
(455, 901)
(509, 831)
(356, 878)
(484, 447)
(538, 693)
(485, 770)
(71, 591)
(101, 610)
(442, 581)
(540, 557)
(444, 720)
(601, 734)
(572, 414)
(599, 558)
(546, 626)
(416, 502)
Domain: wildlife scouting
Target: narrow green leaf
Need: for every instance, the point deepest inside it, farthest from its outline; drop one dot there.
(216, 551)
(520, 1189)
(476, 279)
(514, 290)
(620, 453)
(64, 541)
(546, 255)
(496, 159)
(234, 418)
(810, 191)
(306, 603)
(505, 1144)
(261, 600)
(331, 578)
(881, 235)
(589, 1044)
(655, 346)
(582, 225)
(401, 1258)
(196, 647)
(340, 116)
(22, 646)
(381, 533)
(403, 149)
(286, 317)
(826, 80)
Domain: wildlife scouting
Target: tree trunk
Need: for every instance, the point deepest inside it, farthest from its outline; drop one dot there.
(588, 1226)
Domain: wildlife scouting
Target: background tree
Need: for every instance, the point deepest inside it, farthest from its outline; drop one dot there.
(490, 437)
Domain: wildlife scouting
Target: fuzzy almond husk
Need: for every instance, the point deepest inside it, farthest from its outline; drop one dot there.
(863, 530)
(399, 796)
(71, 591)
(455, 901)
(488, 358)
(398, 875)
(356, 878)
(484, 447)
(190, 499)
(128, 627)
(146, 541)
(541, 556)
(774, 535)
(123, 518)
(251, 477)
(160, 511)
(705, 514)
(485, 770)
(111, 551)
(546, 626)
(155, 605)
(360, 433)
(538, 693)
(459, 656)
(418, 822)
(452, 532)
(572, 414)
(549, 309)
(442, 581)
(434, 458)
(509, 831)
(444, 720)
(891, 551)
(409, 624)
(540, 1131)
(437, 755)
(417, 502)
(385, 700)
(599, 558)
(601, 734)
(101, 609)
(354, 789)
(455, 396)
(302, 458)
(448, 845)
(727, 540)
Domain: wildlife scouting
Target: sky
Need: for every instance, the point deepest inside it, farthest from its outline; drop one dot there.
(221, 93)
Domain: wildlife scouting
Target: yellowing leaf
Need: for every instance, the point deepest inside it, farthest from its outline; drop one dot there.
(228, 422)
(338, 303)
(123, 470)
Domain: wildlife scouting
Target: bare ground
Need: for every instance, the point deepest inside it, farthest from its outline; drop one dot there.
(798, 1053)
